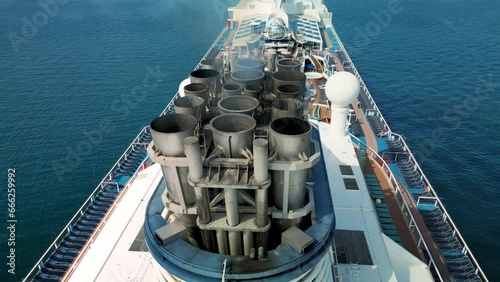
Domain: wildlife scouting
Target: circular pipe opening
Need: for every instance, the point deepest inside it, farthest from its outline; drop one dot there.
(290, 126)
(231, 87)
(250, 63)
(233, 123)
(204, 73)
(173, 123)
(238, 104)
(289, 62)
(196, 87)
(189, 102)
(247, 75)
(289, 76)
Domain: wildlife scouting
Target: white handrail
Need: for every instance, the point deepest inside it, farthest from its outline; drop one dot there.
(398, 188)
(443, 209)
(79, 213)
(355, 71)
(468, 252)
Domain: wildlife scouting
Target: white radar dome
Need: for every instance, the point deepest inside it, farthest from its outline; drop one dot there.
(342, 88)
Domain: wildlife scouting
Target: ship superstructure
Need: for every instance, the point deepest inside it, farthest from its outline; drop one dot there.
(272, 162)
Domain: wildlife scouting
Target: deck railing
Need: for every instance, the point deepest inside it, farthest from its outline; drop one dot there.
(447, 217)
(105, 181)
(170, 106)
(67, 229)
(394, 181)
(440, 205)
(362, 83)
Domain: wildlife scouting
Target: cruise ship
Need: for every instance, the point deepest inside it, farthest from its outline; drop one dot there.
(271, 162)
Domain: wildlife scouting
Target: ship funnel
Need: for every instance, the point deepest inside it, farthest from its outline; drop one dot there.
(289, 65)
(168, 134)
(250, 64)
(209, 77)
(238, 104)
(169, 131)
(286, 107)
(291, 137)
(289, 91)
(211, 64)
(191, 105)
(230, 89)
(244, 77)
(197, 89)
(288, 77)
(253, 90)
(233, 132)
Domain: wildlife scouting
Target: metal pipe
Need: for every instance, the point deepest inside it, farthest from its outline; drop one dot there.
(250, 64)
(286, 107)
(235, 248)
(195, 165)
(288, 77)
(191, 105)
(231, 202)
(260, 153)
(247, 242)
(288, 187)
(209, 77)
(247, 76)
(289, 91)
(197, 89)
(233, 132)
(230, 89)
(238, 104)
(222, 242)
(289, 65)
(253, 90)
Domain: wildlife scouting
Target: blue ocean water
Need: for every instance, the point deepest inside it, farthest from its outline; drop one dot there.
(432, 67)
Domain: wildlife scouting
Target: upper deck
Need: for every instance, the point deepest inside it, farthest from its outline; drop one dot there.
(355, 210)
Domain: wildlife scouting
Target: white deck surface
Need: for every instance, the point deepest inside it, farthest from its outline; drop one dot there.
(109, 258)
(354, 210)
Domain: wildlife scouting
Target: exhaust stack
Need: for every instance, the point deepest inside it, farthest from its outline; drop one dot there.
(291, 137)
(288, 77)
(209, 77)
(191, 105)
(233, 132)
(230, 89)
(168, 134)
(238, 104)
(289, 65)
(286, 107)
(289, 91)
(247, 76)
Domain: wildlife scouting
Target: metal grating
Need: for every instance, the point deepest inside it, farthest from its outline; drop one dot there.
(346, 170)
(351, 247)
(351, 184)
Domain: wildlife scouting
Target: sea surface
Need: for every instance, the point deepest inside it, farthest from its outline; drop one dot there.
(68, 72)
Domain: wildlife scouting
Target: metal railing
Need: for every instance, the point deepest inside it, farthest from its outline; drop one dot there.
(440, 205)
(363, 85)
(109, 176)
(170, 106)
(78, 215)
(394, 181)
(447, 217)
